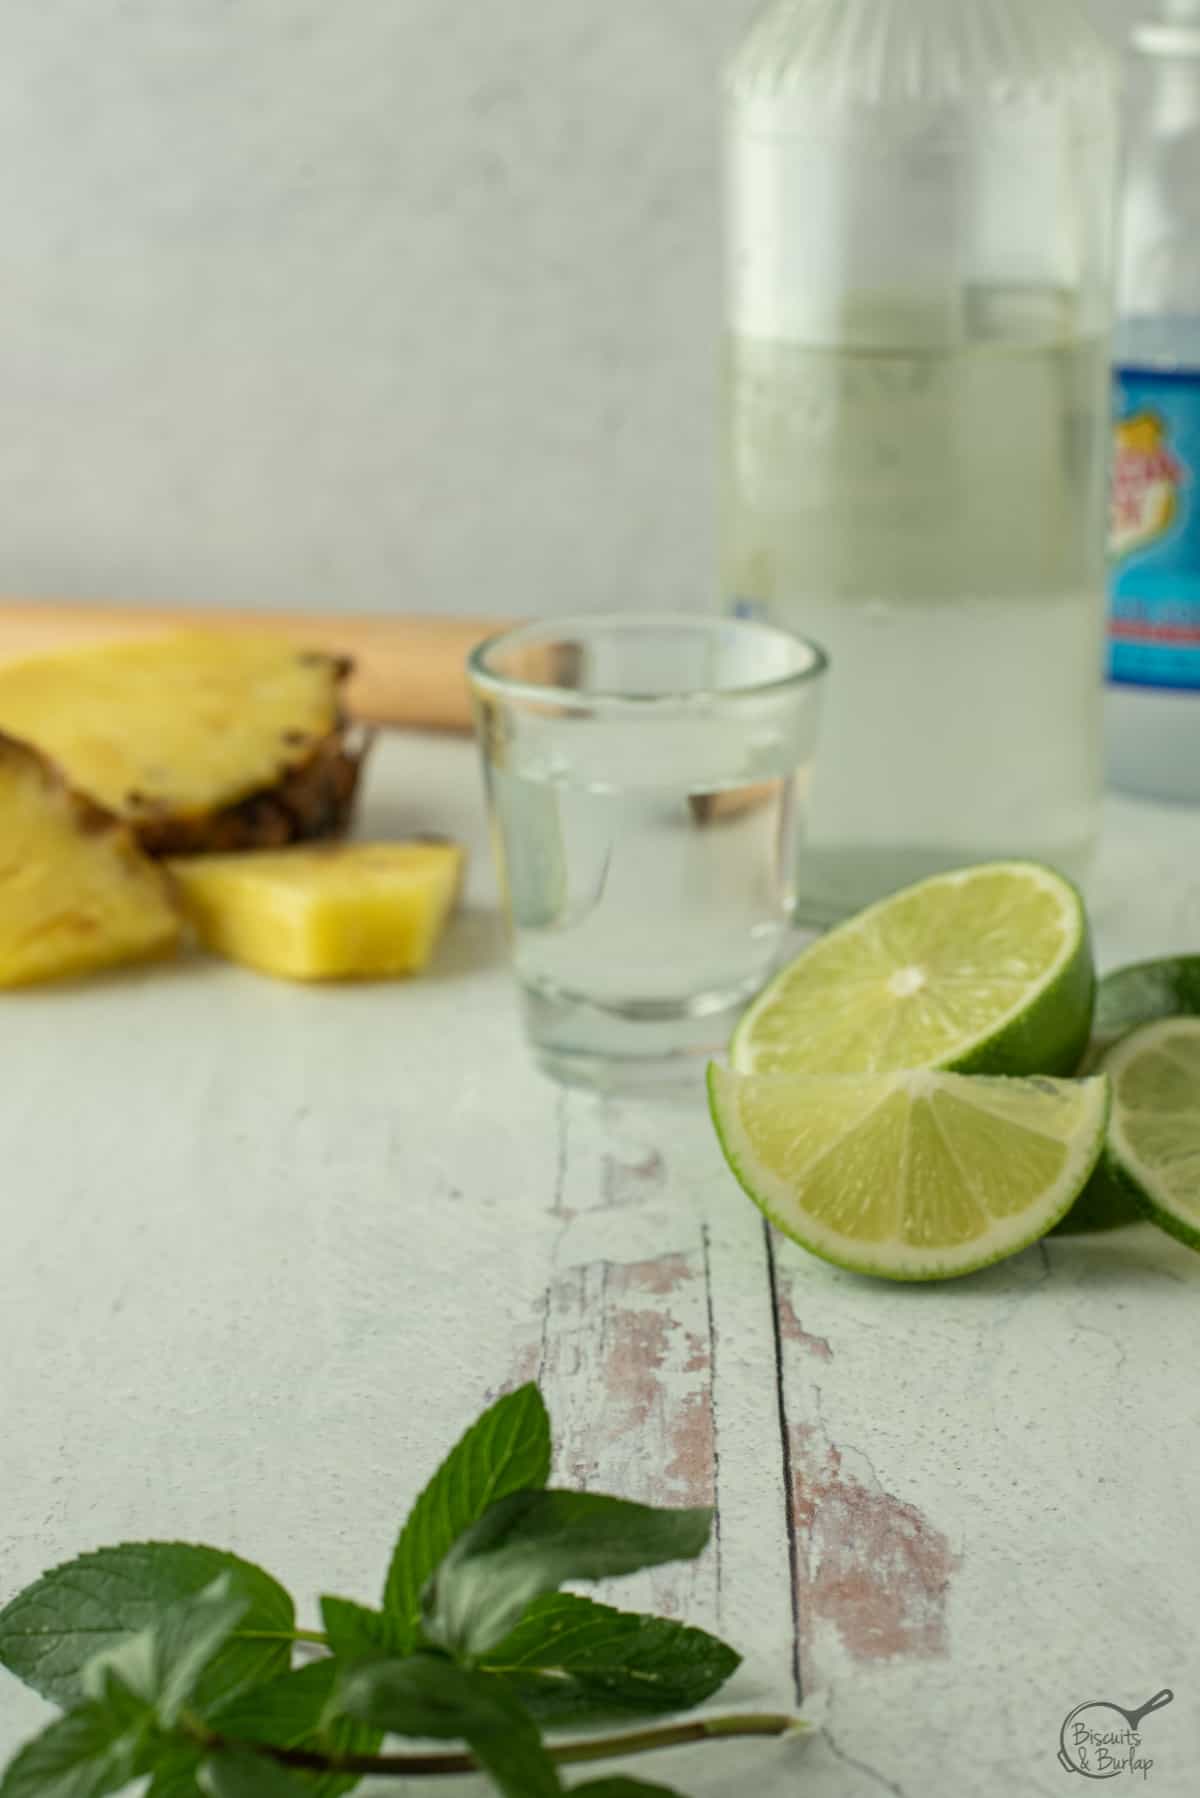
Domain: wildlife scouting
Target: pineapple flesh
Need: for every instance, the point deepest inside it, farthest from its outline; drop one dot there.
(76, 893)
(199, 741)
(331, 912)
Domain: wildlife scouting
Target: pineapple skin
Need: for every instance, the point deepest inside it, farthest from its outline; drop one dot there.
(197, 741)
(309, 803)
(352, 911)
(76, 892)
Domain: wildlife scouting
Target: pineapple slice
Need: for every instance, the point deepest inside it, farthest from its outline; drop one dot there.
(75, 890)
(339, 911)
(198, 741)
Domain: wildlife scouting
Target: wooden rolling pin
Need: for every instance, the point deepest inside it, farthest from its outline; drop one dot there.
(407, 670)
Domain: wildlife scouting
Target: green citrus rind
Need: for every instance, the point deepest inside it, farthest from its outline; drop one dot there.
(1104, 1204)
(1141, 994)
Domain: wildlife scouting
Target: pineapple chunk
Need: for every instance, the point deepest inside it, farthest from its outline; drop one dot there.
(198, 741)
(343, 910)
(75, 890)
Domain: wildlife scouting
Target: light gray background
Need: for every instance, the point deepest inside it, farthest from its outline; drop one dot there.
(388, 304)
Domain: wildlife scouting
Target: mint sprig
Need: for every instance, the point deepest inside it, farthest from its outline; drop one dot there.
(175, 1661)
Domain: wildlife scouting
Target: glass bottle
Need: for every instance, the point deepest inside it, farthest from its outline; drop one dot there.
(920, 246)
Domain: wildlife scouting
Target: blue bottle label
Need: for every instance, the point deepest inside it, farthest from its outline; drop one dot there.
(1154, 616)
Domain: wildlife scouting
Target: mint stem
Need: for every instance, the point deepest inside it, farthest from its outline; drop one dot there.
(674, 1735)
(640, 1741)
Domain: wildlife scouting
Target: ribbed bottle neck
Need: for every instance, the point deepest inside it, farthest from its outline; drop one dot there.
(859, 56)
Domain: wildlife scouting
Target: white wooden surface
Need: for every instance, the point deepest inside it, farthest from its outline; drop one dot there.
(266, 1250)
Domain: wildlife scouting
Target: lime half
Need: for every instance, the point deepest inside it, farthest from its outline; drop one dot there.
(986, 970)
(910, 1176)
(1154, 1142)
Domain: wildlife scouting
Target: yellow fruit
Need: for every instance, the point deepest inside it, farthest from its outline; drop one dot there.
(197, 741)
(339, 911)
(75, 891)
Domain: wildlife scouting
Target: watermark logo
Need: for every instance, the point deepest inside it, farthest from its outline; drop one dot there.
(1102, 1740)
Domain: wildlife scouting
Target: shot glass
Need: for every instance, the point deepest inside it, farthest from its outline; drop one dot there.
(646, 779)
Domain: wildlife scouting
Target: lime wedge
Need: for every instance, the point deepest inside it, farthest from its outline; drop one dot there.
(1154, 1141)
(910, 1176)
(986, 970)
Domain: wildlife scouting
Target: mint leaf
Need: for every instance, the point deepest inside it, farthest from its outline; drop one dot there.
(570, 1660)
(86, 1754)
(125, 1709)
(175, 1774)
(187, 1638)
(163, 1663)
(620, 1787)
(518, 1762)
(237, 1773)
(506, 1450)
(294, 1712)
(285, 1713)
(345, 1735)
(532, 1542)
(426, 1695)
(54, 1627)
(355, 1632)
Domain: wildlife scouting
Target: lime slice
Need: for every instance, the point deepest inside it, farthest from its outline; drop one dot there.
(1126, 999)
(1151, 989)
(986, 970)
(910, 1176)
(1154, 1142)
